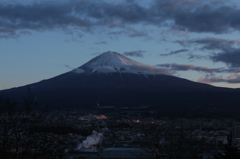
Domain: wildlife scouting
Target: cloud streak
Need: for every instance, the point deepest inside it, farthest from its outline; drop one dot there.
(233, 78)
(174, 52)
(210, 73)
(182, 67)
(101, 43)
(6, 33)
(138, 53)
(215, 43)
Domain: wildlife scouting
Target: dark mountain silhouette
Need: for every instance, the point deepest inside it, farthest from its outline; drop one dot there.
(111, 79)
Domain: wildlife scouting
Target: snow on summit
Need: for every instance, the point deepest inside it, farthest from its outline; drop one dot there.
(110, 61)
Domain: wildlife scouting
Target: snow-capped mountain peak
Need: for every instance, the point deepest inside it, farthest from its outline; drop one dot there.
(109, 59)
(115, 62)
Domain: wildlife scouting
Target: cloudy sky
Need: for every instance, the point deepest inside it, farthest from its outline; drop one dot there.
(194, 39)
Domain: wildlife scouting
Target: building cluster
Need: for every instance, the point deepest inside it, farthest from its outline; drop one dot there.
(126, 134)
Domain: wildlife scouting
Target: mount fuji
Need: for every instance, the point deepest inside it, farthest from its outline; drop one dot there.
(112, 79)
(110, 62)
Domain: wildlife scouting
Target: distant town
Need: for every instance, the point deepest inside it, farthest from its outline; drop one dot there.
(122, 134)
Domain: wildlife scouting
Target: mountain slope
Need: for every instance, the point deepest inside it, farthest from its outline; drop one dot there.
(129, 83)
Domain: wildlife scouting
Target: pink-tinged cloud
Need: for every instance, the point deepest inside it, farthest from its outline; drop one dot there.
(233, 78)
(181, 67)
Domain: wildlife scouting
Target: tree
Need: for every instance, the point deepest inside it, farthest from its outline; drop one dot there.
(30, 101)
(16, 139)
(230, 151)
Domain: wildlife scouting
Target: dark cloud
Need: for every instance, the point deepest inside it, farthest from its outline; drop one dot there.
(101, 43)
(226, 51)
(197, 57)
(195, 16)
(116, 32)
(84, 14)
(68, 67)
(138, 53)
(174, 52)
(229, 56)
(199, 16)
(6, 33)
(136, 33)
(184, 43)
(130, 32)
(215, 43)
(233, 78)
